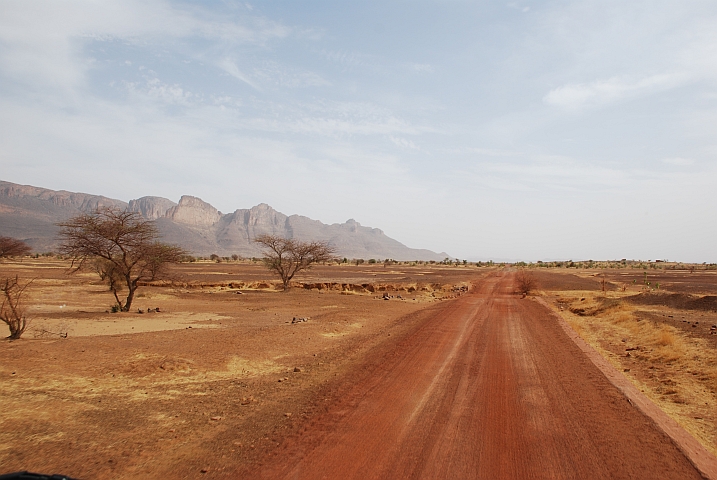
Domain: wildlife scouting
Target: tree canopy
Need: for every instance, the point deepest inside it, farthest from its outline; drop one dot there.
(12, 247)
(286, 257)
(121, 246)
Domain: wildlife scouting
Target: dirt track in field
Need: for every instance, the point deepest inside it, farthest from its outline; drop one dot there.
(489, 386)
(430, 383)
(207, 385)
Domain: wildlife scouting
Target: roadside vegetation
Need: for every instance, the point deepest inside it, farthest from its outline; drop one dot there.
(525, 281)
(669, 354)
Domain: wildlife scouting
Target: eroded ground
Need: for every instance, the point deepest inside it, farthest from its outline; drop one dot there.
(215, 380)
(659, 329)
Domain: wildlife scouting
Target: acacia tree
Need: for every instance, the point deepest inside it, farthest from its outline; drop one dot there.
(121, 246)
(11, 247)
(12, 312)
(286, 257)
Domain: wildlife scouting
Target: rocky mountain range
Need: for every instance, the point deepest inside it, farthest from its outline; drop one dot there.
(30, 213)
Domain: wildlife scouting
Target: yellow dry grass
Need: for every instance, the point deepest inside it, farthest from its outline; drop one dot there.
(676, 371)
(247, 367)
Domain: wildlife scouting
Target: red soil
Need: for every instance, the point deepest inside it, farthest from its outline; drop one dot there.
(489, 386)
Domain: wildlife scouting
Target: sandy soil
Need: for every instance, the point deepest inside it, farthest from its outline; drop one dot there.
(212, 382)
(489, 386)
(431, 383)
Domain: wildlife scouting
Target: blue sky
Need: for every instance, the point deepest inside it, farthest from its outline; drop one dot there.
(507, 130)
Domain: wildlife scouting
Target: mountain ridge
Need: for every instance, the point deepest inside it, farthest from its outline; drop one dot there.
(30, 213)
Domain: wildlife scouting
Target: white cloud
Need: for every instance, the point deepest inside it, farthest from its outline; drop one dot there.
(542, 172)
(422, 67)
(403, 142)
(604, 92)
(273, 72)
(516, 6)
(488, 152)
(327, 118)
(338, 126)
(155, 89)
(231, 68)
(42, 44)
(678, 161)
(350, 60)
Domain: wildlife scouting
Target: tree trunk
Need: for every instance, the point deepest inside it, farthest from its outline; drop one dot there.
(128, 302)
(131, 287)
(119, 303)
(17, 329)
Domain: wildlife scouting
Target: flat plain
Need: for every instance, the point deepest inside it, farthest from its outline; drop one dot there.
(232, 378)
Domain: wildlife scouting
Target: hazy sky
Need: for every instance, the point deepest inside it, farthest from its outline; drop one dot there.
(522, 130)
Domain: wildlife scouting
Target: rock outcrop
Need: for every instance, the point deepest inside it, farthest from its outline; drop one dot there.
(194, 212)
(30, 213)
(151, 207)
(29, 198)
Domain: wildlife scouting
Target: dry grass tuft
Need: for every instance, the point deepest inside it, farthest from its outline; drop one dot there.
(665, 336)
(622, 317)
(676, 371)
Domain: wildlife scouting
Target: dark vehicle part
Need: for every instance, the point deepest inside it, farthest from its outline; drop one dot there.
(32, 476)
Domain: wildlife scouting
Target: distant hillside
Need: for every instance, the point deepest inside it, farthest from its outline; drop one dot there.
(29, 213)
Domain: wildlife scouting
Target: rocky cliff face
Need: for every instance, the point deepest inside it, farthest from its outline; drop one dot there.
(27, 197)
(242, 226)
(194, 212)
(30, 213)
(151, 208)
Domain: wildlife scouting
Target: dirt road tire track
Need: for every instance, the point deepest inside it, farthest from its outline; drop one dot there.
(488, 387)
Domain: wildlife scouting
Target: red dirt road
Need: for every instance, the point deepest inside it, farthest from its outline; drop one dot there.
(489, 387)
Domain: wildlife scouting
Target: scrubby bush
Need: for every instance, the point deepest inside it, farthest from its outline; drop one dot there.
(12, 312)
(524, 281)
(12, 247)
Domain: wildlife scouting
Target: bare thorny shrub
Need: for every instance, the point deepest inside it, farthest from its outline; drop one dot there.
(12, 247)
(11, 310)
(525, 281)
